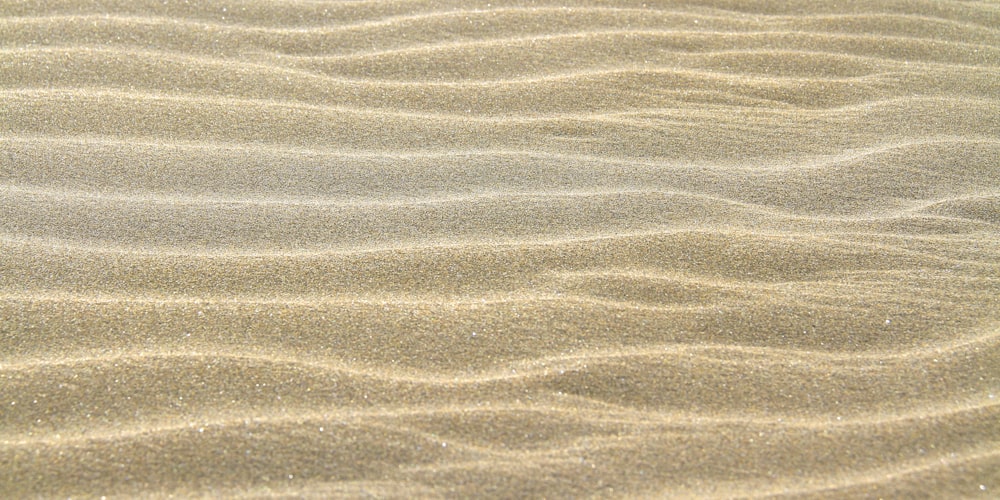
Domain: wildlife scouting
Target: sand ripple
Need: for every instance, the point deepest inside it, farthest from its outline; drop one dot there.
(727, 249)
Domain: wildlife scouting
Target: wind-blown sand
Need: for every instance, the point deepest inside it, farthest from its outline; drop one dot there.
(506, 249)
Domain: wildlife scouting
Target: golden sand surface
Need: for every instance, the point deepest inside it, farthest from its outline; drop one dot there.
(550, 248)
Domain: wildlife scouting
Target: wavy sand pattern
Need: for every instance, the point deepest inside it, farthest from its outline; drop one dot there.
(510, 249)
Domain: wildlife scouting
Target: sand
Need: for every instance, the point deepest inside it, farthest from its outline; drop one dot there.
(547, 248)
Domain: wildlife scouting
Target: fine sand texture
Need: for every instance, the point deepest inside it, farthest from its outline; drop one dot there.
(550, 248)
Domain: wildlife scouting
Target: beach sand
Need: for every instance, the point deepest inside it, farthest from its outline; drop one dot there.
(545, 248)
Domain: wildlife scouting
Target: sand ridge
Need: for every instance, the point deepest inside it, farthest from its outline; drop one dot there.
(707, 249)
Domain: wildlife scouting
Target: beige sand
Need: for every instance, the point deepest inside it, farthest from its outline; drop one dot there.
(506, 249)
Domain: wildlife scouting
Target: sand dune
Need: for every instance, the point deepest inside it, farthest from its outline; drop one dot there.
(504, 249)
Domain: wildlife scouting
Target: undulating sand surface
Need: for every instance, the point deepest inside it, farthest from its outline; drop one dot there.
(541, 248)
